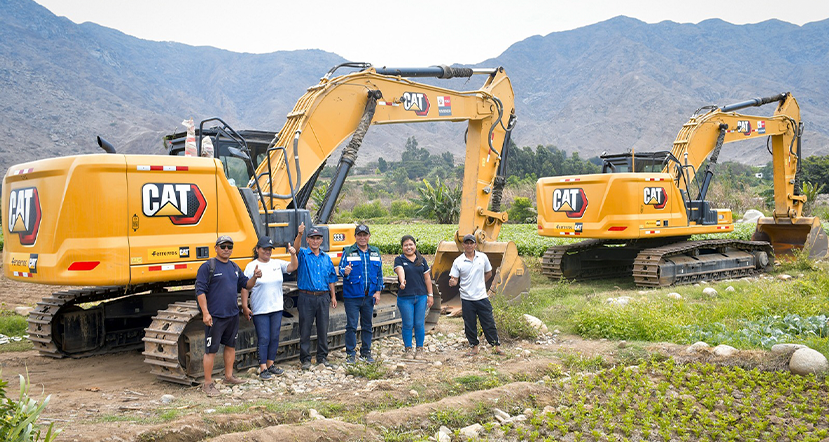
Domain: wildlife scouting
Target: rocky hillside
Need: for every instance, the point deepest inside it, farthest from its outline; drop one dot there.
(612, 86)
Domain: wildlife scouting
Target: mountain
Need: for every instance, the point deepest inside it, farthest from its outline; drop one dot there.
(613, 86)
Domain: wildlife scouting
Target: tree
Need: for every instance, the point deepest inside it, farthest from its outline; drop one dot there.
(415, 160)
(816, 171)
(440, 202)
(382, 165)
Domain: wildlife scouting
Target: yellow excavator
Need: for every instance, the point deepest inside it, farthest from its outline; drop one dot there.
(642, 209)
(134, 229)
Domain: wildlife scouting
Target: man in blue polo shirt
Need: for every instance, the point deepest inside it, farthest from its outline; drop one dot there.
(362, 270)
(315, 280)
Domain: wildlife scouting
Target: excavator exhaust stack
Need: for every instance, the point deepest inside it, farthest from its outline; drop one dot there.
(510, 277)
(787, 236)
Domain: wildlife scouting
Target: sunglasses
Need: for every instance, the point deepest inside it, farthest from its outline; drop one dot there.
(226, 246)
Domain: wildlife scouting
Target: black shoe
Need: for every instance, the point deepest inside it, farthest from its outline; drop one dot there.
(275, 370)
(325, 363)
(306, 365)
(367, 358)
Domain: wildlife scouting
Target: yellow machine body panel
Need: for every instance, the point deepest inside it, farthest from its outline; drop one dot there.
(617, 206)
(119, 219)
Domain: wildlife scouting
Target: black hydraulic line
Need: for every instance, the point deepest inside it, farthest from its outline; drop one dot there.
(441, 71)
(348, 158)
(798, 175)
(305, 192)
(712, 162)
(754, 102)
(501, 175)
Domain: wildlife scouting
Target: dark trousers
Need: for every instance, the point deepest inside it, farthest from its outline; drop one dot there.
(474, 311)
(310, 309)
(362, 309)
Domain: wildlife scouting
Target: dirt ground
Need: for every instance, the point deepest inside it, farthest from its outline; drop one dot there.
(114, 397)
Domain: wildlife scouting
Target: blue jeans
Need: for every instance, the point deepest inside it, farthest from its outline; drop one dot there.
(413, 313)
(361, 309)
(267, 334)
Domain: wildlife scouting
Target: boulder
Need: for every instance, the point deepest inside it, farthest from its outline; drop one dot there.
(674, 295)
(709, 291)
(786, 349)
(807, 361)
(696, 347)
(725, 350)
(23, 311)
(472, 431)
(536, 323)
(750, 216)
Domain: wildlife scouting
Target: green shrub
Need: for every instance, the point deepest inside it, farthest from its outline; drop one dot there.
(369, 211)
(18, 419)
(403, 209)
(522, 211)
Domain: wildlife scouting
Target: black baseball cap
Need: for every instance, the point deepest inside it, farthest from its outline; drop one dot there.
(265, 243)
(362, 228)
(469, 237)
(313, 231)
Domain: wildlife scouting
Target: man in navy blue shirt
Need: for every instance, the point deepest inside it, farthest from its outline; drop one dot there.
(315, 280)
(216, 295)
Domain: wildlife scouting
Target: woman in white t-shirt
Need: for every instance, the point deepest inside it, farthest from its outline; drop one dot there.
(265, 306)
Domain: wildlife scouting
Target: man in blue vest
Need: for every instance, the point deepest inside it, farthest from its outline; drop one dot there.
(362, 270)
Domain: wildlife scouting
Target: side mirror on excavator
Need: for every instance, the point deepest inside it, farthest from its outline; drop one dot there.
(238, 153)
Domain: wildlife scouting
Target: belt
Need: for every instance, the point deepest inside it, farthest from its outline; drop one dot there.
(308, 292)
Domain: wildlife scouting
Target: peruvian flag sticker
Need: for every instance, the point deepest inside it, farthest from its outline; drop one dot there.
(444, 105)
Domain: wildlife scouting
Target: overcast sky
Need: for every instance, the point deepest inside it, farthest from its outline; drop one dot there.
(400, 33)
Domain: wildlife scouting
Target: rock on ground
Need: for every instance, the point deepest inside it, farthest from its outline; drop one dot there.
(807, 361)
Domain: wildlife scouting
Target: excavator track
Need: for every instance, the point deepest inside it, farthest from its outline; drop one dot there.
(174, 342)
(688, 262)
(59, 327)
(167, 323)
(583, 260)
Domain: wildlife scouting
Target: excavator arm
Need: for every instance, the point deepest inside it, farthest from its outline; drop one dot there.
(703, 136)
(345, 106)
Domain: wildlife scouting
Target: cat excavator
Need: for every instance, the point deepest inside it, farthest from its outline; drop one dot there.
(642, 209)
(134, 229)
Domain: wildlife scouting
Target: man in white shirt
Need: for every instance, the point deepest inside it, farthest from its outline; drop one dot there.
(472, 269)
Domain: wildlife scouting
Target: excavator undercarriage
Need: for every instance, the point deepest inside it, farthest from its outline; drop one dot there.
(165, 320)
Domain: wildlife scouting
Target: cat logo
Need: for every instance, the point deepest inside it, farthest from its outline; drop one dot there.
(183, 203)
(24, 214)
(417, 102)
(656, 197)
(744, 127)
(572, 202)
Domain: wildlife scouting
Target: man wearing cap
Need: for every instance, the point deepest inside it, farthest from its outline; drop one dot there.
(362, 270)
(315, 280)
(472, 269)
(216, 294)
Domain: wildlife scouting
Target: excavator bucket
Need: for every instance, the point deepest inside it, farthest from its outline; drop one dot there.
(510, 277)
(786, 236)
